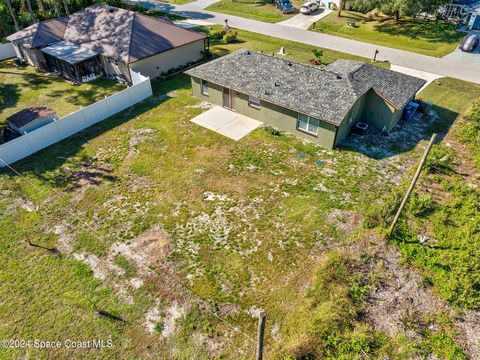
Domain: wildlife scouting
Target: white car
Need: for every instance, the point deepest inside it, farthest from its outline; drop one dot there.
(309, 7)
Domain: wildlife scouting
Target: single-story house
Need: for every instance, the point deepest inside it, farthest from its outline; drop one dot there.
(30, 119)
(318, 104)
(102, 40)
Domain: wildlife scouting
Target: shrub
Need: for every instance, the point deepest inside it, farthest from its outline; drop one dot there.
(217, 34)
(421, 205)
(439, 160)
(159, 326)
(381, 214)
(230, 36)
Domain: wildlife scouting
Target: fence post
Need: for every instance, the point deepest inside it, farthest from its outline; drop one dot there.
(29, 143)
(261, 333)
(412, 184)
(60, 136)
(83, 117)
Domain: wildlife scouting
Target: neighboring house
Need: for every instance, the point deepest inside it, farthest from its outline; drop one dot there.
(105, 40)
(31, 119)
(319, 104)
(466, 12)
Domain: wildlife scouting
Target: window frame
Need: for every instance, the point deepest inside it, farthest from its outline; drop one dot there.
(203, 86)
(308, 121)
(253, 105)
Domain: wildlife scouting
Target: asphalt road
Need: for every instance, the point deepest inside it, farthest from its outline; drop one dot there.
(452, 67)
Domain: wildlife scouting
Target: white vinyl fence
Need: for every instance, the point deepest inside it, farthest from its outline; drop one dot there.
(7, 51)
(47, 135)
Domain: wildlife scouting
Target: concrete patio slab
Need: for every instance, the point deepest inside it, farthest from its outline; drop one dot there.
(227, 122)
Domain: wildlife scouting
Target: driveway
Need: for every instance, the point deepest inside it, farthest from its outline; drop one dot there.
(305, 21)
(226, 122)
(466, 57)
(428, 77)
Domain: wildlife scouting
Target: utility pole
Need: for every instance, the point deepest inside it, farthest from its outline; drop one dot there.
(375, 56)
(261, 333)
(412, 184)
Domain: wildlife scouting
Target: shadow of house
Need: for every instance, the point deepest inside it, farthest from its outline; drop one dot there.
(404, 137)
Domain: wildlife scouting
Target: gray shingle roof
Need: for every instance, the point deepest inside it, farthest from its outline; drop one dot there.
(113, 32)
(325, 93)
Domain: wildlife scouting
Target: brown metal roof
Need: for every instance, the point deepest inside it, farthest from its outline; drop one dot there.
(116, 33)
(41, 34)
(26, 116)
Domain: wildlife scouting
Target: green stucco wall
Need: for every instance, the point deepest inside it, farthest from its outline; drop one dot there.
(353, 116)
(377, 112)
(268, 113)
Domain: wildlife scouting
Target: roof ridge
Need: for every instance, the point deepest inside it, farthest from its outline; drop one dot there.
(130, 37)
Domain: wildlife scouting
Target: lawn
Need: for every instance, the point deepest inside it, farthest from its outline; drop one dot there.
(26, 87)
(428, 38)
(251, 9)
(445, 206)
(171, 227)
(270, 45)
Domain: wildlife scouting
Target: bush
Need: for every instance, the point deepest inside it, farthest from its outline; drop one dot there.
(230, 36)
(421, 205)
(217, 34)
(439, 160)
(381, 214)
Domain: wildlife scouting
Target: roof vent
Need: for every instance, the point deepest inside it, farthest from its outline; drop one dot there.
(249, 53)
(339, 77)
(289, 63)
(277, 84)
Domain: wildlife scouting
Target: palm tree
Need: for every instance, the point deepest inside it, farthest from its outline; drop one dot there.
(340, 7)
(65, 4)
(30, 10)
(12, 14)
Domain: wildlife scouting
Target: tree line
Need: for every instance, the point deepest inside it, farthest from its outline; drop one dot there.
(18, 14)
(398, 8)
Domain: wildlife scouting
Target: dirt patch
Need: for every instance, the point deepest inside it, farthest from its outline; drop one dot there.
(148, 249)
(137, 137)
(401, 304)
(345, 220)
(172, 314)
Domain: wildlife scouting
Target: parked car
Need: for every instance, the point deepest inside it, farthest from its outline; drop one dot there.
(309, 7)
(469, 43)
(285, 6)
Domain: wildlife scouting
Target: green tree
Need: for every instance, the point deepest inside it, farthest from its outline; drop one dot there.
(399, 8)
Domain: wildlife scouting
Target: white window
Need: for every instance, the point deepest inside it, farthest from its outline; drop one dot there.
(254, 102)
(308, 124)
(204, 87)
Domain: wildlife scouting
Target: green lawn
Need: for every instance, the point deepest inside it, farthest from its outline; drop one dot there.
(26, 87)
(445, 203)
(270, 45)
(254, 224)
(251, 9)
(428, 38)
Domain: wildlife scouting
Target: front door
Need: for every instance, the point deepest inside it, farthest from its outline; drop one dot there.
(227, 98)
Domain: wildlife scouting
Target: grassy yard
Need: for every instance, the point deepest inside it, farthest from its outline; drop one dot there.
(169, 225)
(26, 87)
(251, 9)
(428, 38)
